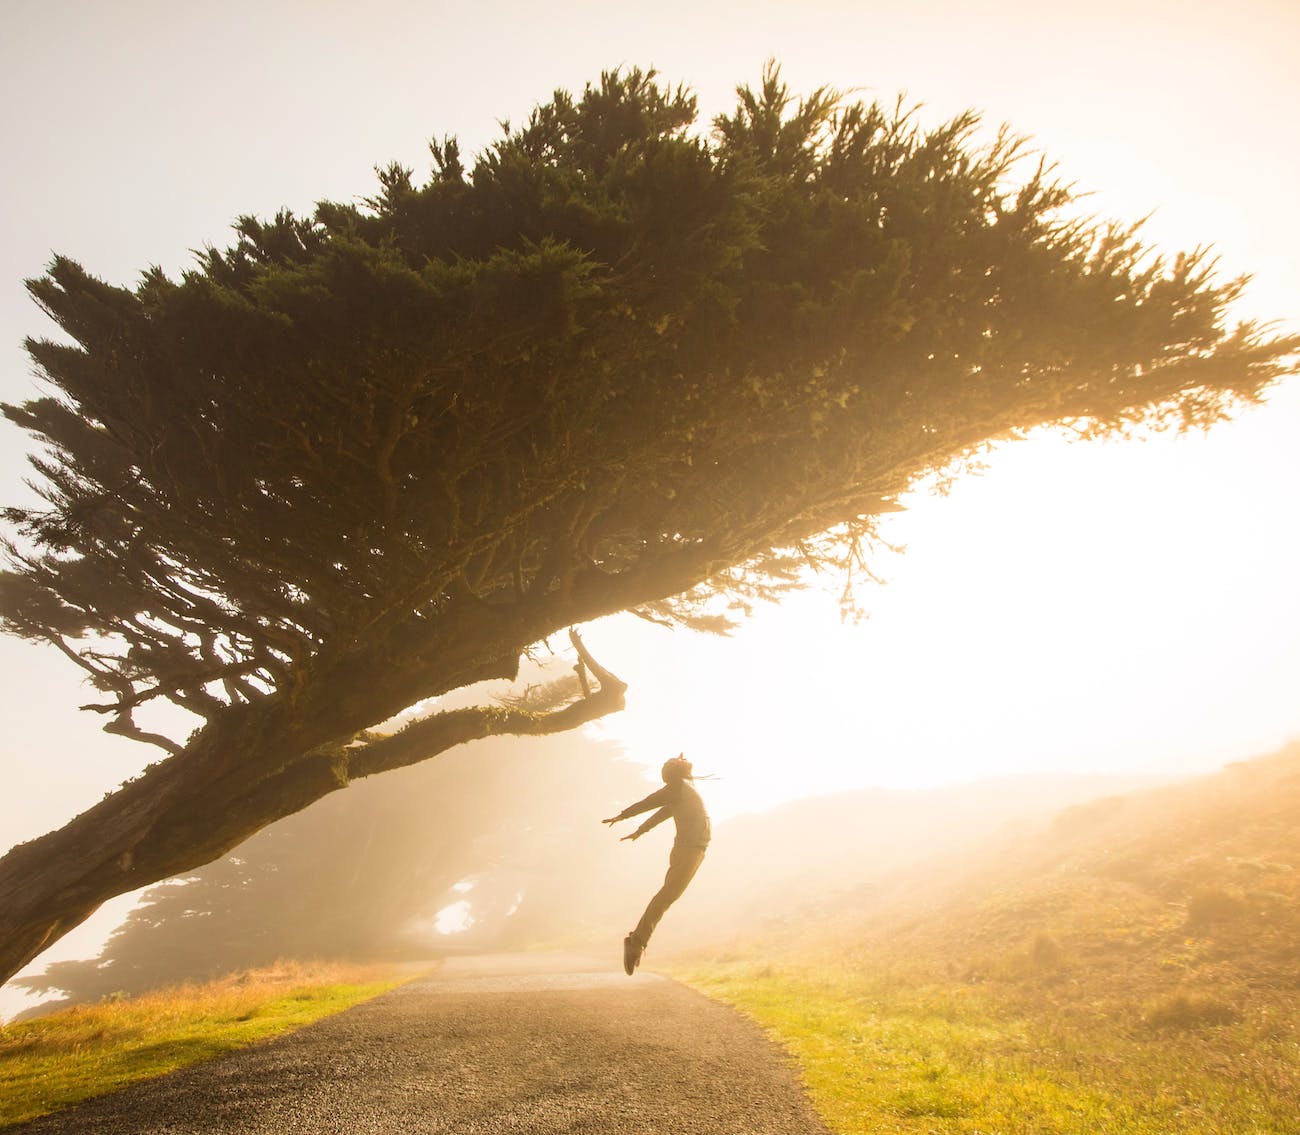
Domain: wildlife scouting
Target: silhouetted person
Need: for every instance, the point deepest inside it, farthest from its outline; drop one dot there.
(678, 799)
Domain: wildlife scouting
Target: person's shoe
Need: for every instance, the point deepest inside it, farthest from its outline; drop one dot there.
(632, 951)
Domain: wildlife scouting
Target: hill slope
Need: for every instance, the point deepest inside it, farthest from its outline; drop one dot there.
(1127, 905)
(1131, 968)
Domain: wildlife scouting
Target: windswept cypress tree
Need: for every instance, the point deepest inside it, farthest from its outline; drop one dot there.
(364, 458)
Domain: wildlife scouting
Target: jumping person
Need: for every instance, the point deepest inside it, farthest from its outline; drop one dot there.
(678, 799)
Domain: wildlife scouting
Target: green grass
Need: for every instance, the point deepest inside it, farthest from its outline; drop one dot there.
(886, 1055)
(72, 1055)
(1127, 969)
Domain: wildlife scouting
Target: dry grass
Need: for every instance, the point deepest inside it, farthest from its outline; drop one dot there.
(74, 1054)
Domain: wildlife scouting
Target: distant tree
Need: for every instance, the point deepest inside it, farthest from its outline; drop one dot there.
(361, 459)
(363, 874)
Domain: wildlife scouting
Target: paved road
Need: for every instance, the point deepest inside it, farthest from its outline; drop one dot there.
(484, 1046)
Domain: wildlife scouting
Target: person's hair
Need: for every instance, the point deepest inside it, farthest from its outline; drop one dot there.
(672, 770)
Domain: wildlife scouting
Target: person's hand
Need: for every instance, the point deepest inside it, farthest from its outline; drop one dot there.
(611, 820)
(627, 837)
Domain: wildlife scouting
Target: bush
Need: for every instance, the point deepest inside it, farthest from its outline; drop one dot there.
(1211, 906)
(1187, 1009)
(1046, 953)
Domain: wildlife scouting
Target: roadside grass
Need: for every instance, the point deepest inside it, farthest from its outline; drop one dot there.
(891, 1055)
(71, 1055)
(1131, 968)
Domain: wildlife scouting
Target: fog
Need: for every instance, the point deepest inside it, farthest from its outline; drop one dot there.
(499, 846)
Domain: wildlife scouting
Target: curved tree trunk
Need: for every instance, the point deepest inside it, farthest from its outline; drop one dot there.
(204, 801)
(254, 764)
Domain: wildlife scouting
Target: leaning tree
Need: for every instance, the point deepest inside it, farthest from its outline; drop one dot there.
(361, 459)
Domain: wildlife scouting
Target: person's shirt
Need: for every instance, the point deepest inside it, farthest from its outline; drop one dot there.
(680, 801)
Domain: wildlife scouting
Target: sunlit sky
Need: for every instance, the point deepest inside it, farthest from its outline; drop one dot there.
(1077, 608)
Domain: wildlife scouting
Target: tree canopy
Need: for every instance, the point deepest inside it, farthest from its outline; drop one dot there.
(363, 458)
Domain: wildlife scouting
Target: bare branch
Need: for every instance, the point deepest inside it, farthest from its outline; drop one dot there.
(432, 735)
(123, 726)
(609, 683)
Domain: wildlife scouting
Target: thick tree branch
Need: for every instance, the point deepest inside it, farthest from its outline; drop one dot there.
(428, 736)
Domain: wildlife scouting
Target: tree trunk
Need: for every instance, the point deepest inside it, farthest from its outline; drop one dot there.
(255, 764)
(201, 803)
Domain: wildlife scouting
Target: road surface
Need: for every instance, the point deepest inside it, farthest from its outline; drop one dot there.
(484, 1046)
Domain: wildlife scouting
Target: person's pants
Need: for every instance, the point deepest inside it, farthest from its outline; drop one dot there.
(683, 862)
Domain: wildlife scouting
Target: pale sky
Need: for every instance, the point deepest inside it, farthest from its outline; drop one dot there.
(1077, 608)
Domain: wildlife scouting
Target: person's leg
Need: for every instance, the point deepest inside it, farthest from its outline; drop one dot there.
(683, 862)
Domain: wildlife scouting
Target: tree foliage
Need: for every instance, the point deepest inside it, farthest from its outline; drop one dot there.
(362, 458)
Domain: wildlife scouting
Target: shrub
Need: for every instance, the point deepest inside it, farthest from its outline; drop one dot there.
(1188, 1009)
(1211, 906)
(1046, 953)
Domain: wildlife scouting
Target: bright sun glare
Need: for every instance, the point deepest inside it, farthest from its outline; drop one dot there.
(1087, 607)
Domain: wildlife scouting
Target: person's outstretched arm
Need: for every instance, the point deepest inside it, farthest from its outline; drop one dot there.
(658, 818)
(655, 800)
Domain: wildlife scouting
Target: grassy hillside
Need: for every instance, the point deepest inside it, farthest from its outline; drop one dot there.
(814, 856)
(1192, 889)
(1134, 966)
